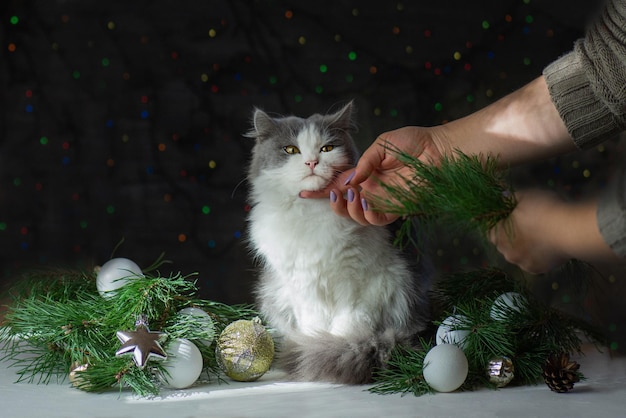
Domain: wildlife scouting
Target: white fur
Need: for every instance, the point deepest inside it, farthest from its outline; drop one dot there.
(322, 272)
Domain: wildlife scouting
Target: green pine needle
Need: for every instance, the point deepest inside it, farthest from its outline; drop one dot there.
(466, 192)
(404, 372)
(457, 288)
(58, 320)
(528, 333)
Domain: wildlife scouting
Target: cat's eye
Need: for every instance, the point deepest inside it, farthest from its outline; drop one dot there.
(291, 149)
(327, 148)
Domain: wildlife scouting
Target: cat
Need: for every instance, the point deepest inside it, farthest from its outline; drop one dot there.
(338, 294)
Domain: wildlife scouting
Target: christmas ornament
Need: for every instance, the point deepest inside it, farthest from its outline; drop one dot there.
(500, 371)
(506, 302)
(142, 343)
(114, 274)
(560, 373)
(245, 350)
(74, 376)
(449, 332)
(204, 320)
(183, 365)
(445, 367)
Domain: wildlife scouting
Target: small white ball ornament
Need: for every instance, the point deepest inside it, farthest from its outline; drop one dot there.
(204, 320)
(183, 365)
(445, 367)
(114, 274)
(509, 301)
(449, 332)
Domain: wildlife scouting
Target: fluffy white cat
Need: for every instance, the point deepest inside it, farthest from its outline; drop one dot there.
(339, 294)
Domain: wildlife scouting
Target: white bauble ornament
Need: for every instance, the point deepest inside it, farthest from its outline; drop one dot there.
(114, 274)
(183, 365)
(204, 320)
(509, 301)
(445, 367)
(449, 332)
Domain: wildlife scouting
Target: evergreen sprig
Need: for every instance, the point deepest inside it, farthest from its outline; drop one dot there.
(467, 192)
(58, 320)
(404, 372)
(528, 332)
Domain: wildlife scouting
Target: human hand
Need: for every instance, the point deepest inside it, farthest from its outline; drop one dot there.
(354, 193)
(540, 232)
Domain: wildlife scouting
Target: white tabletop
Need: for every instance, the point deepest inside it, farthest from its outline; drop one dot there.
(603, 394)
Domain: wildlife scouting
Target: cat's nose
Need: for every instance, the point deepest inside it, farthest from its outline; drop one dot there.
(311, 163)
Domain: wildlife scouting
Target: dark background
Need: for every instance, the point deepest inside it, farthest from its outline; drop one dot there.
(123, 120)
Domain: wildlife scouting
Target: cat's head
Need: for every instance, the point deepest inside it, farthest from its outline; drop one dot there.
(296, 154)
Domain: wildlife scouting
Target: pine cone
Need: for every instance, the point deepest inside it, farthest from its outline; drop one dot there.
(560, 373)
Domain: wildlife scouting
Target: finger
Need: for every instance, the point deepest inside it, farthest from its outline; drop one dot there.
(379, 218)
(369, 161)
(355, 206)
(311, 194)
(338, 204)
(492, 235)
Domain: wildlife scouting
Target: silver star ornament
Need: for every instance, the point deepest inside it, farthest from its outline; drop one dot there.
(142, 343)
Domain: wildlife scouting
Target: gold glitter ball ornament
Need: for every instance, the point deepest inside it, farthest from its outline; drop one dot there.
(245, 350)
(500, 371)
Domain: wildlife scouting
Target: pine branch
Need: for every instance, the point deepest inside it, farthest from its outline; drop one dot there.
(404, 372)
(59, 320)
(456, 288)
(526, 331)
(155, 297)
(224, 314)
(466, 192)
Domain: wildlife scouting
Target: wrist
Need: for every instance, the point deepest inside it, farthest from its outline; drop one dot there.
(579, 236)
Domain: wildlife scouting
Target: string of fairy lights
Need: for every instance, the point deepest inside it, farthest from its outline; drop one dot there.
(124, 120)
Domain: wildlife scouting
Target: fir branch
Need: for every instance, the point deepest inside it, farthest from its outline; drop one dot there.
(155, 297)
(59, 320)
(142, 382)
(54, 334)
(527, 332)
(156, 264)
(404, 372)
(223, 314)
(35, 363)
(56, 283)
(456, 288)
(466, 192)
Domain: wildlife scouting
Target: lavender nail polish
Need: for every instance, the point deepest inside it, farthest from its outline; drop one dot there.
(333, 197)
(350, 177)
(350, 195)
(364, 204)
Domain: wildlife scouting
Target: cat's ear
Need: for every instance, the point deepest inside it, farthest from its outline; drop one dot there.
(343, 118)
(262, 125)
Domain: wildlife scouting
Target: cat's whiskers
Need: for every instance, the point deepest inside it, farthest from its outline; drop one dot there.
(242, 181)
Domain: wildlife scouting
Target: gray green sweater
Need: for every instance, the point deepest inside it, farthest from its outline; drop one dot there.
(588, 88)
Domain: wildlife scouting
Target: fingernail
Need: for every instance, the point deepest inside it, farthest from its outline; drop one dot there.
(333, 197)
(350, 177)
(364, 204)
(350, 195)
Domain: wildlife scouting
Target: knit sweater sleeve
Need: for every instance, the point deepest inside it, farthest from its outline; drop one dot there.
(588, 88)
(588, 85)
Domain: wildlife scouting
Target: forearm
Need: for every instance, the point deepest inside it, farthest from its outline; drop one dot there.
(521, 127)
(577, 234)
